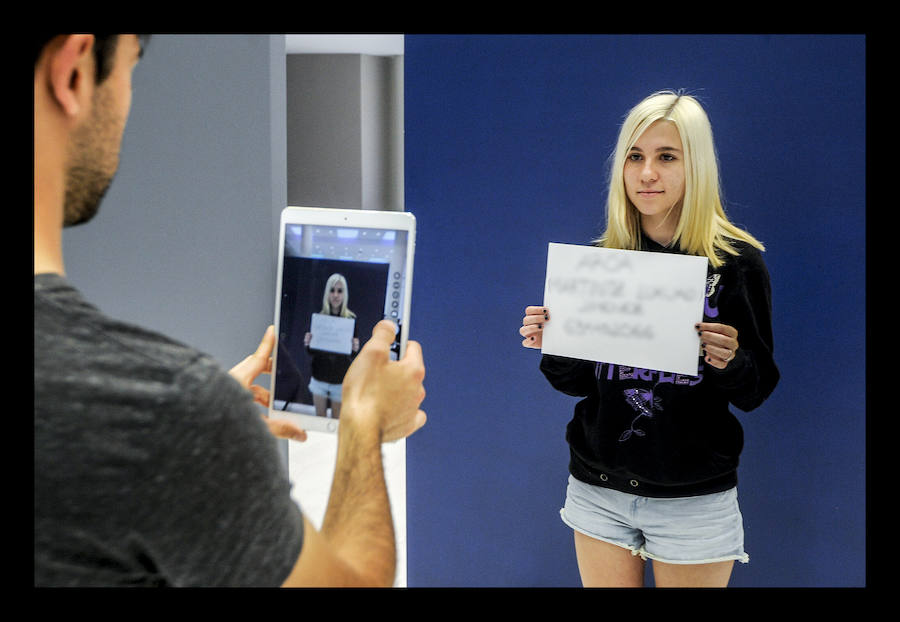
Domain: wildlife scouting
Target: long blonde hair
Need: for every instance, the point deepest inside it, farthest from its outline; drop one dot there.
(703, 228)
(333, 280)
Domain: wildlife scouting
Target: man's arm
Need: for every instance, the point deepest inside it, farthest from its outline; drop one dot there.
(381, 403)
(356, 546)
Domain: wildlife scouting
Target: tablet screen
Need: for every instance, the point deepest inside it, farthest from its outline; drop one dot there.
(337, 282)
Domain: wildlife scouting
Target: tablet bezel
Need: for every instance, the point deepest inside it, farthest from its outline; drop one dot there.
(337, 217)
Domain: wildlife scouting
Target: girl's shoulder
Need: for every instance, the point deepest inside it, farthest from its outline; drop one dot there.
(748, 258)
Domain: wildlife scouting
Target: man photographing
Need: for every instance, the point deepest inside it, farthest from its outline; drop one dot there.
(152, 466)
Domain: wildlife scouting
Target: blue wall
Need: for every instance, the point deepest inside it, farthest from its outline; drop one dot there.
(507, 139)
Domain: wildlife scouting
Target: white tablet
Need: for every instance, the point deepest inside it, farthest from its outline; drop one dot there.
(340, 272)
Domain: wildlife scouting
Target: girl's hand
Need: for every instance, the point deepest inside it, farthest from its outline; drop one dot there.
(719, 343)
(533, 326)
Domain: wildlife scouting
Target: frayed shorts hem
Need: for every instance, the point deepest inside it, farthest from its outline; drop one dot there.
(645, 555)
(325, 389)
(701, 529)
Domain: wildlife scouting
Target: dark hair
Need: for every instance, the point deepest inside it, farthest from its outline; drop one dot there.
(104, 52)
(104, 55)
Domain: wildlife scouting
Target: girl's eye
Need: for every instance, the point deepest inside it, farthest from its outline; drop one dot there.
(634, 157)
(667, 157)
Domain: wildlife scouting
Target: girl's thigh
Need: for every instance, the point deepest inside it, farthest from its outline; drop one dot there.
(602, 564)
(716, 574)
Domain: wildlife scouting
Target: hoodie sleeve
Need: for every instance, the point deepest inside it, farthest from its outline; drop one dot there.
(571, 376)
(744, 301)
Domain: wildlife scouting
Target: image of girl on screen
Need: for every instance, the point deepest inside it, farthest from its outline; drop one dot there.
(328, 366)
(654, 455)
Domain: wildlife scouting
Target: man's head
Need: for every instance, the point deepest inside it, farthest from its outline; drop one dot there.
(96, 68)
(103, 51)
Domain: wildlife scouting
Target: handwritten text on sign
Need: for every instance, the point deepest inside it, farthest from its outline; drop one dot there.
(331, 333)
(633, 308)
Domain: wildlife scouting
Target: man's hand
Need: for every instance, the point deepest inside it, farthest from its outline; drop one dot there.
(383, 392)
(260, 362)
(381, 399)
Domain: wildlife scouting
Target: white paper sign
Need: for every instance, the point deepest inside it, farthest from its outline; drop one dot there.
(331, 333)
(633, 308)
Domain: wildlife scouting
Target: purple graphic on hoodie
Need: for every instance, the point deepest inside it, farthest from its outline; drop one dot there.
(711, 281)
(644, 403)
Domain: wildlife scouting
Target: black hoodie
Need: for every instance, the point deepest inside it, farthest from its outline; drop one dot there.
(658, 434)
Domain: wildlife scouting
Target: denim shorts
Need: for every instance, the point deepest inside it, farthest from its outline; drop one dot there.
(325, 389)
(684, 530)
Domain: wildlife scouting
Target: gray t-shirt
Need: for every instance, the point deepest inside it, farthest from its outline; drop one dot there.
(151, 464)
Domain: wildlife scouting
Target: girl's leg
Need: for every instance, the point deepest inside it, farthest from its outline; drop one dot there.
(716, 574)
(602, 564)
(321, 404)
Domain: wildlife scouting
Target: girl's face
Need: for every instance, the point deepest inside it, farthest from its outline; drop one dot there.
(336, 295)
(654, 173)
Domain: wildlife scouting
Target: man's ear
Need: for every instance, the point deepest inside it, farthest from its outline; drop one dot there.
(71, 69)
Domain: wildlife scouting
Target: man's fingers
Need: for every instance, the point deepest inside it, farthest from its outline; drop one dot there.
(264, 350)
(260, 394)
(413, 354)
(383, 334)
(405, 428)
(282, 428)
(262, 358)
